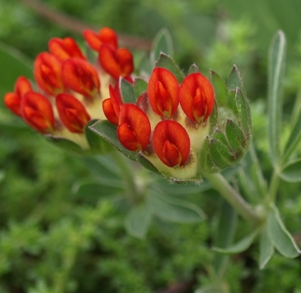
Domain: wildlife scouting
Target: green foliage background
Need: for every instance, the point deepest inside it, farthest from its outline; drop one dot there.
(55, 240)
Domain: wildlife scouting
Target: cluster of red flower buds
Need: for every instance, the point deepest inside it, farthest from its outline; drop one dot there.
(69, 90)
(168, 123)
(180, 126)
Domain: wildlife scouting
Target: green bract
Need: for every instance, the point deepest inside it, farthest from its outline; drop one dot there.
(230, 125)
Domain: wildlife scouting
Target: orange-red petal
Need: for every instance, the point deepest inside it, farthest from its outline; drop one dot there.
(134, 128)
(47, 73)
(22, 86)
(162, 91)
(109, 111)
(104, 36)
(111, 106)
(13, 102)
(64, 49)
(171, 143)
(196, 96)
(116, 98)
(81, 76)
(116, 62)
(125, 60)
(37, 112)
(72, 113)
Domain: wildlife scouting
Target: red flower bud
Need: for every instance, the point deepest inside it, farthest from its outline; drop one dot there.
(196, 97)
(116, 62)
(13, 100)
(37, 112)
(171, 143)
(81, 76)
(111, 106)
(64, 49)
(22, 86)
(47, 73)
(104, 36)
(162, 91)
(134, 128)
(109, 111)
(72, 113)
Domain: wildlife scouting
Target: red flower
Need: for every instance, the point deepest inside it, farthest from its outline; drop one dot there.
(64, 49)
(162, 92)
(37, 112)
(111, 106)
(81, 76)
(171, 143)
(134, 128)
(104, 36)
(116, 62)
(196, 97)
(13, 100)
(47, 73)
(72, 113)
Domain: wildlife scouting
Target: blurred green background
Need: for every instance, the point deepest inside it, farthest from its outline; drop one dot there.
(54, 239)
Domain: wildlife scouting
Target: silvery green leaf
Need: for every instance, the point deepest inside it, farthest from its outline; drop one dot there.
(282, 240)
(276, 67)
(266, 249)
(138, 221)
(291, 172)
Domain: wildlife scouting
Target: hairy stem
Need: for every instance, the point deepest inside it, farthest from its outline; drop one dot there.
(233, 197)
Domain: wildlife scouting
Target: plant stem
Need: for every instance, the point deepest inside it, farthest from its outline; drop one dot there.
(127, 174)
(233, 197)
(77, 26)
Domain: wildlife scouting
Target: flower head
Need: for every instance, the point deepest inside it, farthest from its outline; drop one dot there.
(159, 129)
(174, 126)
(70, 89)
(170, 122)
